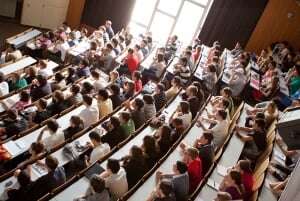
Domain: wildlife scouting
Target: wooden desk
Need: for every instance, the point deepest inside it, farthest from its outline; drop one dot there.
(22, 38)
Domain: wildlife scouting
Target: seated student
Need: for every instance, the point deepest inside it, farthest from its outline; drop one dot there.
(163, 139)
(104, 103)
(232, 184)
(58, 103)
(55, 135)
(75, 96)
(12, 124)
(83, 69)
(115, 95)
(87, 89)
(175, 87)
(76, 125)
(196, 53)
(210, 77)
(4, 88)
(136, 78)
(134, 165)
(116, 47)
(30, 74)
(293, 78)
(200, 92)
(98, 82)
(221, 105)
(115, 179)
(138, 53)
(149, 107)
(21, 193)
(226, 93)
(144, 48)
(193, 100)
(115, 133)
(17, 82)
(190, 61)
(20, 104)
(159, 96)
(205, 147)
(182, 70)
(12, 54)
(270, 112)
(178, 130)
(183, 112)
(96, 191)
(127, 123)
(90, 114)
(55, 177)
(219, 130)
(256, 142)
(237, 81)
(151, 151)
(194, 164)
(35, 151)
(130, 63)
(163, 192)
(128, 91)
(72, 76)
(40, 88)
(43, 70)
(155, 70)
(107, 58)
(244, 167)
(171, 47)
(99, 149)
(179, 180)
(136, 109)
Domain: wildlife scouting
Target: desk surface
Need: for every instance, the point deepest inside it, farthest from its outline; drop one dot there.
(18, 65)
(24, 37)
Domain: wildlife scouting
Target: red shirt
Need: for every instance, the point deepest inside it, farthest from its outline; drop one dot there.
(132, 63)
(138, 86)
(196, 56)
(247, 179)
(195, 173)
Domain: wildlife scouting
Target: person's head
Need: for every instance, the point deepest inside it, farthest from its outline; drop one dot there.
(58, 96)
(124, 117)
(137, 48)
(42, 64)
(206, 138)
(2, 77)
(42, 80)
(159, 88)
(109, 47)
(42, 104)
(259, 124)
(149, 144)
(234, 178)
(188, 54)
(272, 65)
(148, 99)
(113, 166)
(184, 107)
(144, 43)
(165, 132)
(87, 88)
(260, 115)
(76, 121)
(225, 103)
(130, 51)
(95, 74)
(23, 178)
(97, 184)
(15, 77)
(179, 167)
(12, 114)
(191, 154)
(87, 100)
(226, 92)
(94, 45)
(183, 61)
(136, 75)
(177, 123)
(95, 138)
(191, 91)
(164, 189)
(113, 75)
(52, 125)
(115, 42)
(71, 71)
(138, 104)
(115, 89)
(51, 163)
(84, 63)
(244, 166)
(212, 68)
(136, 152)
(59, 77)
(129, 87)
(174, 38)
(75, 89)
(32, 71)
(24, 96)
(271, 108)
(114, 122)
(108, 23)
(198, 48)
(103, 94)
(221, 115)
(176, 81)
(160, 57)
(36, 148)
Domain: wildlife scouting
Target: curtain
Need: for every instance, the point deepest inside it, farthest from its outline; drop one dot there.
(229, 21)
(96, 12)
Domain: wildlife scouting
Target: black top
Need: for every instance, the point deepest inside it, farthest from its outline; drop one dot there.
(164, 147)
(38, 92)
(71, 79)
(116, 101)
(19, 194)
(138, 117)
(14, 127)
(135, 170)
(159, 100)
(169, 198)
(41, 116)
(114, 136)
(151, 158)
(206, 154)
(70, 131)
(260, 140)
(57, 107)
(176, 133)
(194, 105)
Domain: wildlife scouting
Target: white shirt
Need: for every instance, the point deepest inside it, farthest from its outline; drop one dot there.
(220, 131)
(117, 183)
(186, 119)
(99, 84)
(89, 115)
(53, 140)
(98, 152)
(4, 89)
(45, 72)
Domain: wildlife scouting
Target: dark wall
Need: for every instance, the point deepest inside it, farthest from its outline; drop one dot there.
(97, 11)
(229, 21)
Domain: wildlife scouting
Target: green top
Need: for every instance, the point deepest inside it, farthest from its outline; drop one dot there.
(128, 127)
(19, 84)
(295, 84)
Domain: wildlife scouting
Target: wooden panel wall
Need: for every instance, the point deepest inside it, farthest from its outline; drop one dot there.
(274, 25)
(75, 12)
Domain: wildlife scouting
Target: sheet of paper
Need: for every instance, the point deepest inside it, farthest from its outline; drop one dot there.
(222, 170)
